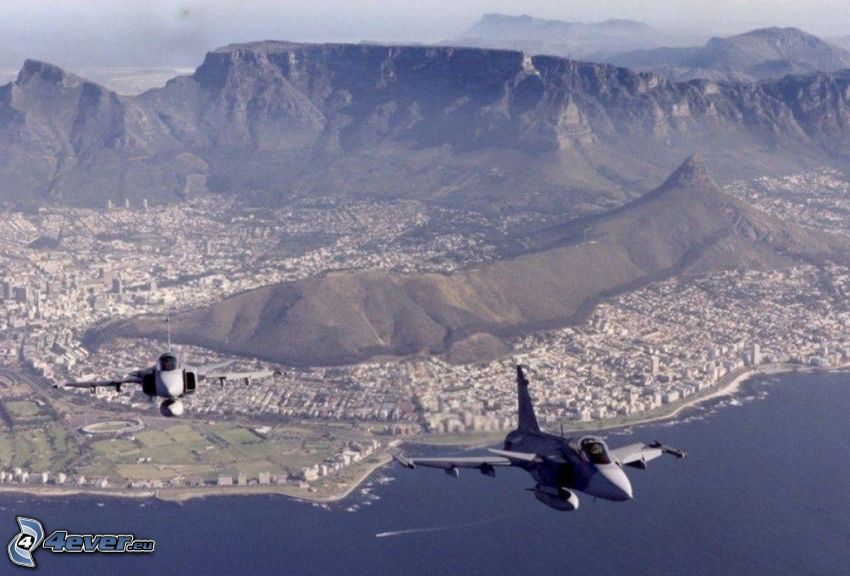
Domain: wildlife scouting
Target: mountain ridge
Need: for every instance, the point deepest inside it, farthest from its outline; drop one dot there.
(486, 129)
(686, 226)
(755, 55)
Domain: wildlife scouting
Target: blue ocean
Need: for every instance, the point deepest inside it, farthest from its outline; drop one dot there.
(765, 491)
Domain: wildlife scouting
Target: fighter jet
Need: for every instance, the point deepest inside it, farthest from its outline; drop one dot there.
(169, 379)
(561, 466)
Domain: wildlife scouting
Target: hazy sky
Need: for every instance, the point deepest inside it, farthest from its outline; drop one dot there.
(161, 32)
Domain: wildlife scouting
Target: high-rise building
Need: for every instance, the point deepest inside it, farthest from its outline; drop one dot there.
(756, 355)
(108, 277)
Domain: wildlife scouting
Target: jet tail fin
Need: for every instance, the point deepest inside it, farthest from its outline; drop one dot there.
(527, 419)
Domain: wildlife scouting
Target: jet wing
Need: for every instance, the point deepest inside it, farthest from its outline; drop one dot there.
(637, 455)
(92, 384)
(223, 377)
(516, 457)
(451, 465)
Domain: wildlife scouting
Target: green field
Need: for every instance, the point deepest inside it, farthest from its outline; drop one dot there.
(116, 446)
(154, 438)
(6, 452)
(188, 449)
(235, 435)
(38, 450)
(194, 449)
(23, 409)
(37, 440)
(184, 434)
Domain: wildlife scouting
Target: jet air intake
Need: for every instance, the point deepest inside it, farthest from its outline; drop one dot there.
(190, 382)
(149, 384)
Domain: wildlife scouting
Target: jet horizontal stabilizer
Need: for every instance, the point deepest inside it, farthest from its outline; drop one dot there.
(404, 460)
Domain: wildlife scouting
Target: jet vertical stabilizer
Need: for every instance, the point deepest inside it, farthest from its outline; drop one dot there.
(527, 420)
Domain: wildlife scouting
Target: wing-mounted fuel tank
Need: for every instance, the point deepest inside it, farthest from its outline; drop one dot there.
(556, 497)
(190, 381)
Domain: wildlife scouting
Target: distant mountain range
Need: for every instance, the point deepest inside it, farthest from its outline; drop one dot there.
(489, 129)
(560, 38)
(686, 226)
(756, 55)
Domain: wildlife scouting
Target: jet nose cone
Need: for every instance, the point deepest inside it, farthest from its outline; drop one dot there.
(611, 484)
(621, 481)
(173, 383)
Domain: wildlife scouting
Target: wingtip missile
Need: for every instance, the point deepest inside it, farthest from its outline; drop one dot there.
(678, 453)
(403, 460)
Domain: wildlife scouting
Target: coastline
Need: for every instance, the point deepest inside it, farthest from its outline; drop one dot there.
(729, 386)
(179, 495)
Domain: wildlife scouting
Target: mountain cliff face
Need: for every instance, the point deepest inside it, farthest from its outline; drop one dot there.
(685, 226)
(486, 128)
(67, 139)
(756, 55)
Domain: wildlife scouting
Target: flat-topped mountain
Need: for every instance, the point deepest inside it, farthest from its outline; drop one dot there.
(490, 129)
(755, 55)
(686, 226)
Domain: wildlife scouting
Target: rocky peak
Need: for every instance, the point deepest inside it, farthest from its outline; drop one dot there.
(35, 70)
(692, 173)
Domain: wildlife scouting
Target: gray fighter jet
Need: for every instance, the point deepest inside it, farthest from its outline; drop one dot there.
(171, 380)
(561, 466)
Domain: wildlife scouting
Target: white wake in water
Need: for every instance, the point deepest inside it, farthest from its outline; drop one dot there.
(443, 528)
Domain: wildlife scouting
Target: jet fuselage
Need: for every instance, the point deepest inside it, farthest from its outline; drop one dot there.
(567, 463)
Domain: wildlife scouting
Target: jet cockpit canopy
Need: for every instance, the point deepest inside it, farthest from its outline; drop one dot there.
(168, 362)
(595, 450)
